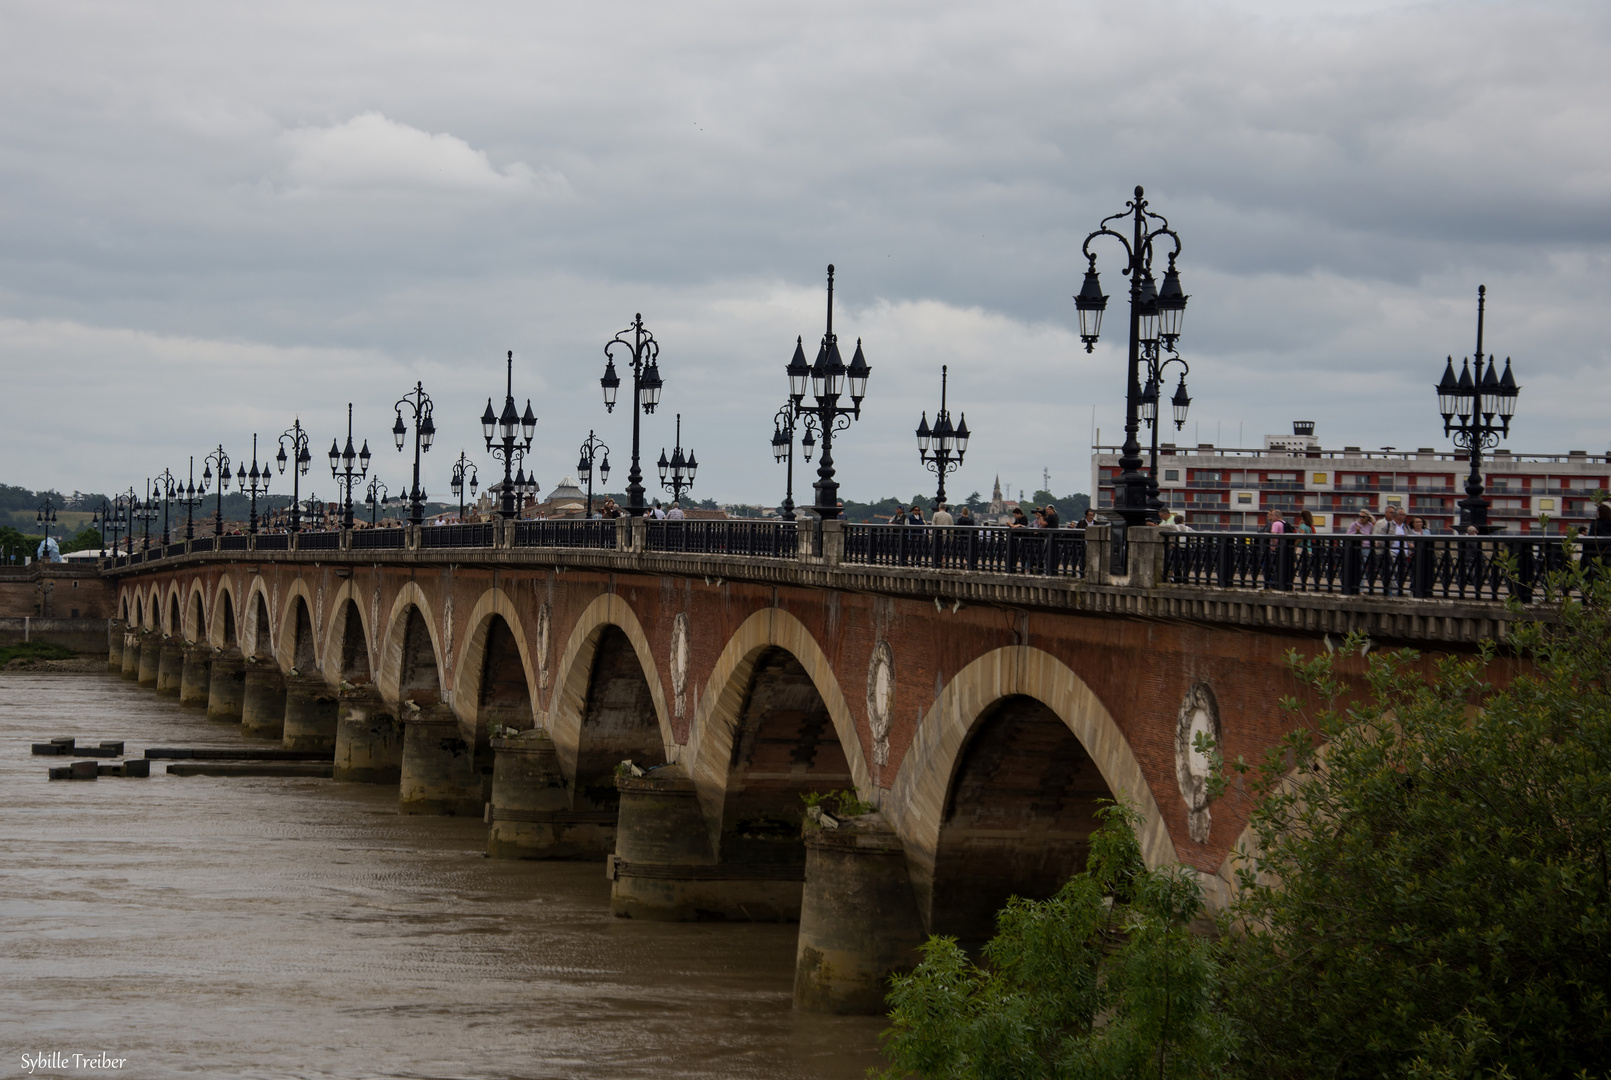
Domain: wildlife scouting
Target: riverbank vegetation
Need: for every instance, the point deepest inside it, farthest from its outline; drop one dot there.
(1427, 899)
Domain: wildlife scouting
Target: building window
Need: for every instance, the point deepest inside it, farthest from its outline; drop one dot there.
(1319, 478)
(1171, 474)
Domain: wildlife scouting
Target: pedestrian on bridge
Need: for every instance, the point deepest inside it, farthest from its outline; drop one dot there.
(942, 516)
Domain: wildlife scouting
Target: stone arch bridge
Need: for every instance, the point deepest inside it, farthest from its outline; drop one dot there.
(979, 691)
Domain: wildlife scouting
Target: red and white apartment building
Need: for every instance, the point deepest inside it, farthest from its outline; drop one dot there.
(1224, 489)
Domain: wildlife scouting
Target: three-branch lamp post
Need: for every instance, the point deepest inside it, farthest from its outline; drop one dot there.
(190, 497)
(642, 351)
(514, 433)
(341, 467)
(677, 474)
(376, 498)
(164, 488)
(1476, 409)
(783, 425)
(46, 515)
(1155, 318)
(942, 447)
(220, 459)
(421, 406)
(300, 458)
(253, 484)
(585, 466)
(465, 474)
(827, 379)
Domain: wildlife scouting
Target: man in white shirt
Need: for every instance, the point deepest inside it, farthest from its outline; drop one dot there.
(942, 516)
(657, 513)
(675, 513)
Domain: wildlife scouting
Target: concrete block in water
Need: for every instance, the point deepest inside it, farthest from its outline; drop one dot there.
(369, 738)
(196, 676)
(530, 812)
(438, 770)
(170, 666)
(83, 770)
(226, 685)
(315, 769)
(46, 749)
(859, 922)
(136, 767)
(310, 714)
(263, 706)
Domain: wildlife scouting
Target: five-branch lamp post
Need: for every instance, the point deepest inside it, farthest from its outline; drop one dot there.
(375, 496)
(300, 458)
(253, 484)
(827, 379)
(942, 447)
(677, 473)
(221, 460)
(190, 496)
(1155, 318)
(643, 353)
(1476, 409)
(342, 460)
(586, 467)
(513, 434)
(420, 406)
(783, 425)
(465, 474)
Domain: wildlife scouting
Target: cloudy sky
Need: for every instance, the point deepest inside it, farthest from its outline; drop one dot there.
(216, 217)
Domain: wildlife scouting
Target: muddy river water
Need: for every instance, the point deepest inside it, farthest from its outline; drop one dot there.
(268, 927)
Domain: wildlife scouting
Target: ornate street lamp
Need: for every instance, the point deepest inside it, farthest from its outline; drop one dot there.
(463, 468)
(253, 484)
(1179, 404)
(221, 460)
(827, 380)
(644, 353)
(585, 466)
(1476, 409)
(419, 402)
(164, 488)
(783, 450)
(301, 458)
(46, 515)
(677, 474)
(341, 463)
(376, 498)
(146, 511)
(941, 447)
(109, 515)
(510, 428)
(1155, 318)
(189, 496)
(131, 503)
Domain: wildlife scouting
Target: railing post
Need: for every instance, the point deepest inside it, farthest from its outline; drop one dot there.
(1146, 555)
(1097, 539)
(411, 537)
(1521, 586)
(833, 542)
(1421, 563)
(1285, 551)
(1224, 560)
(973, 548)
(1353, 564)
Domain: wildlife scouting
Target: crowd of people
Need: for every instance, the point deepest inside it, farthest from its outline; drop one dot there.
(1038, 517)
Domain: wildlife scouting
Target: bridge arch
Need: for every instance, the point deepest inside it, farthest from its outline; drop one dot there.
(196, 613)
(348, 638)
(224, 626)
(411, 652)
(298, 646)
(174, 623)
(1007, 678)
(257, 637)
(494, 678)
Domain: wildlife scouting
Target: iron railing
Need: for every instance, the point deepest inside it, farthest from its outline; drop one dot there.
(324, 540)
(369, 539)
(755, 539)
(483, 534)
(273, 542)
(232, 542)
(583, 533)
(1052, 552)
(1441, 567)
(203, 543)
(175, 548)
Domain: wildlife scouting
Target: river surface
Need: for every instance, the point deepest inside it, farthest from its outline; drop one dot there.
(268, 927)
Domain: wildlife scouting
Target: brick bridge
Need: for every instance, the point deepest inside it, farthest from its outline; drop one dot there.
(981, 688)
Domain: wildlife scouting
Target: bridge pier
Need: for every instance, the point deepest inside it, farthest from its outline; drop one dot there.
(438, 769)
(531, 816)
(170, 666)
(150, 658)
(226, 685)
(131, 655)
(116, 632)
(663, 867)
(309, 722)
(194, 678)
(859, 921)
(369, 738)
(263, 705)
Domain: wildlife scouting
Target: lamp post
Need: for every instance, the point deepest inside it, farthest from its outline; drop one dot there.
(1476, 409)
(341, 462)
(314, 505)
(146, 511)
(109, 515)
(253, 484)
(783, 450)
(221, 460)
(163, 487)
(300, 459)
(376, 498)
(644, 352)
(46, 515)
(827, 378)
(942, 447)
(585, 466)
(420, 404)
(1155, 317)
(131, 503)
(189, 496)
(463, 468)
(1179, 403)
(677, 474)
(506, 424)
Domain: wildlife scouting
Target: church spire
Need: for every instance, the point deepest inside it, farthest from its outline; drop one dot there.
(995, 493)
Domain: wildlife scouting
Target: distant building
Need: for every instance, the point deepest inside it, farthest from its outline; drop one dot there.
(1000, 509)
(1222, 488)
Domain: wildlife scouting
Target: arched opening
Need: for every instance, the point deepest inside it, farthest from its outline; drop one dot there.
(175, 627)
(505, 697)
(618, 722)
(418, 680)
(229, 622)
(354, 647)
(302, 657)
(139, 612)
(198, 619)
(784, 745)
(1019, 814)
(123, 611)
(264, 635)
